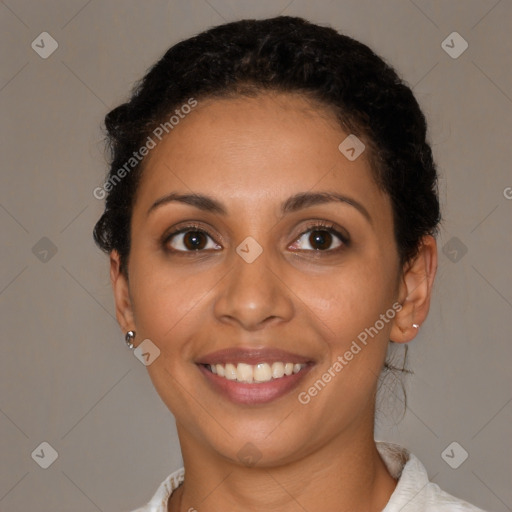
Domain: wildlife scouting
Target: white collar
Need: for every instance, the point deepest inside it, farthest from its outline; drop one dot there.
(413, 493)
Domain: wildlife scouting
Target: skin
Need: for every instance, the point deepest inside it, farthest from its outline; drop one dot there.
(251, 154)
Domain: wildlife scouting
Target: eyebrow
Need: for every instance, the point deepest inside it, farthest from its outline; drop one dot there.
(292, 204)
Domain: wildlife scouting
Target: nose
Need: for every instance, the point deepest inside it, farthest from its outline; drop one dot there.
(253, 295)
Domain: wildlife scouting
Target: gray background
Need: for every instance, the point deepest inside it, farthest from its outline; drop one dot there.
(66, 375)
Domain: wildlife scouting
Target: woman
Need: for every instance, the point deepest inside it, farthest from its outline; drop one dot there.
(271, 218)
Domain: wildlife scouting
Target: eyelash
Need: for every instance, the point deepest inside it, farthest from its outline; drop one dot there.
(313, 226)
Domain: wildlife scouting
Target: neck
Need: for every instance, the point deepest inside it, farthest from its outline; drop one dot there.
(346, 474)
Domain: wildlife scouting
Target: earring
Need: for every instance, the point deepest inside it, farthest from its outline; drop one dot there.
(416, 326)
(130, 336)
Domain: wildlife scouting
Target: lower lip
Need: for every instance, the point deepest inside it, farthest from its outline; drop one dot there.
(257, 393)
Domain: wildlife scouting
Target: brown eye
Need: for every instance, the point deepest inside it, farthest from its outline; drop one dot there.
(190, 240)
(194, 240)
(320, 239)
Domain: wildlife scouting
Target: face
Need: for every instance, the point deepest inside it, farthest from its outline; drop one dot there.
(260, 252)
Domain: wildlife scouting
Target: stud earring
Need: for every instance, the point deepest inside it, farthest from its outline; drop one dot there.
(130, 336)
(416, 326)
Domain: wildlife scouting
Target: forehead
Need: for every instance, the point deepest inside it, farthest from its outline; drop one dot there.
(245, 150)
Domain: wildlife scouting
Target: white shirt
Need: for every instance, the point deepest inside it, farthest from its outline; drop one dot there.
(413, 493)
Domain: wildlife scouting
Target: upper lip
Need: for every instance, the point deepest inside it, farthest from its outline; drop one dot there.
(252, 356)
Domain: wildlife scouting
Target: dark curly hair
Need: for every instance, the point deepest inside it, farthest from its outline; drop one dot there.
(291, 55)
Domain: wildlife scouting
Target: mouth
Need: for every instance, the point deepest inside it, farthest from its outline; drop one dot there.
(254, 376)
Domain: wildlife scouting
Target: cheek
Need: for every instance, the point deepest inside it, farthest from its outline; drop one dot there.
(353, 307)
(169, 302)
(349, 299)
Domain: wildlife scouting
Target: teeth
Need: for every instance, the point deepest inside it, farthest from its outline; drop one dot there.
(230, 372)
(244, 373)
(277, 370)
(261, 372)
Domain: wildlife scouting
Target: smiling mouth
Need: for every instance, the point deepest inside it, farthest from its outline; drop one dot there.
(253, 376)
(255, 373)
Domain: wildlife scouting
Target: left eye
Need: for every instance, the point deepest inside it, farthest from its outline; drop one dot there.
(320, 239)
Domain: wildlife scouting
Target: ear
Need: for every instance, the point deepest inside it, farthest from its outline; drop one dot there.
(124, 310)
(415, 289)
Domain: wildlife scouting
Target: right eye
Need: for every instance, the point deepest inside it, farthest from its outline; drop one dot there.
(190, 239)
